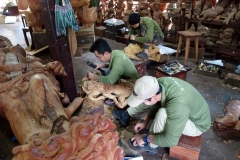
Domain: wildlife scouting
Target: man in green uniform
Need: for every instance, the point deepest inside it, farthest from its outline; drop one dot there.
(120, 65)
(176, 108)
(144, 30)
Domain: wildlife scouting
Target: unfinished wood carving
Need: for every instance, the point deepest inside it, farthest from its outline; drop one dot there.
(88, 137)
(109, 10)
(231, 114)
(128, 11)
(212, 13)
(30, 99)
(98, 91)
(229, 13)
(34, 15)
(87, 16)
(144, 10)
(158, 14)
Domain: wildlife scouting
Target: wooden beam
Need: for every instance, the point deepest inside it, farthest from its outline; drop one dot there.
(37, 50)
(59, 48)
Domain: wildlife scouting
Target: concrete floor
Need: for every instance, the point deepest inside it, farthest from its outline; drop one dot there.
(214, 90)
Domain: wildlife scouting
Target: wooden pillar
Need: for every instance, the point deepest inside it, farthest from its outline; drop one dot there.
(59, 48)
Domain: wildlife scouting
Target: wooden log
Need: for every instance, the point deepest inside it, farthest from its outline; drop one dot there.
(232, 79)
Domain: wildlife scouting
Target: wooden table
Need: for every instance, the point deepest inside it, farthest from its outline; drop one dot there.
(188, 35)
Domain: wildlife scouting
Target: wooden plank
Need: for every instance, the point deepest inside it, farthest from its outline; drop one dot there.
(182, 153)
(38, 50)
(214, 22)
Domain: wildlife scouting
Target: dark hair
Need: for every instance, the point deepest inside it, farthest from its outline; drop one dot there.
(134, 18)
(101, 46)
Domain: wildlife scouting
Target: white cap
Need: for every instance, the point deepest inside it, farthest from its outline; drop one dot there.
(144, 88)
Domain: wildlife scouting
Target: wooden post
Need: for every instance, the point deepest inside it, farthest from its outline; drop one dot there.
(59, 48)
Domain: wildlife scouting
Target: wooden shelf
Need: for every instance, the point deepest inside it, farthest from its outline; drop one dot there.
(214, 22)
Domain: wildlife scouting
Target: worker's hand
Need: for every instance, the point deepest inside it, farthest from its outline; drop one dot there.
(92, 76)
(139, 126)
(132, 37)
(138, 140)
(126, 36)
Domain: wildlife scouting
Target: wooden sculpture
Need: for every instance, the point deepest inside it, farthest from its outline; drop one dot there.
(228, 36)
(139, 5)
(119, 9)
(88, 137)
(110, 10)
(158, 14)
(33, 15)
(30, 99)
(128, 11)
(121, 91)
(87, 16)
(229, 13)
(212, 13)
(188, 11)
(229, 125)
(144, 10)
(197, 9)
(237, 15)
(231, 114)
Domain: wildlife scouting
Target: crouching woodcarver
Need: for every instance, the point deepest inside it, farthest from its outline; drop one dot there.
(176, 108)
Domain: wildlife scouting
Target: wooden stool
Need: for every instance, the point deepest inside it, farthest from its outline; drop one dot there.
(188, 35)
(188, 148)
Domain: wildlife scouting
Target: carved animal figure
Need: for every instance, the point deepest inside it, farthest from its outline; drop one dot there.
(212, 13)
(121, 91)
(231, 114)
(45, 130)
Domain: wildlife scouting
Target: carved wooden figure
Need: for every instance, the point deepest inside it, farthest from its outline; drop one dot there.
(231, 114)
(33, 15)
(212, 13)
(229, 13)
(228, 36)
(144, 10)
(122, 91)
(197, 8)
(87, 16)
(139, 5)
(237, 16)
(128, 11)
(158, 14)
(88, 137)
(110, 10)
(30, 99)
(119, 9)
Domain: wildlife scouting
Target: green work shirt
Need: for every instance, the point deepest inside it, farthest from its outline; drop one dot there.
(152, 27)
(182, 102)
(121, 66)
